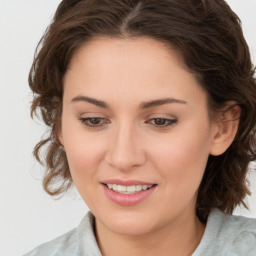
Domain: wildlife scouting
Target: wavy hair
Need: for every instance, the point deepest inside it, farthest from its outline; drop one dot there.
(208, 37)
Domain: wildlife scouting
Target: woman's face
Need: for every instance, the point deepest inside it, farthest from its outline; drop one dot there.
(135, 119)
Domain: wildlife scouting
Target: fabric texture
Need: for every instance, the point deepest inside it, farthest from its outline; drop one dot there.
(225, 235)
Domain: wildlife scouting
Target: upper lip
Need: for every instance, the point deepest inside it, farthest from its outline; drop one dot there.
(126, 182)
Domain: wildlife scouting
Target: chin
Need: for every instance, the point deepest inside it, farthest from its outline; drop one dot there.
(129, 224)
(130, 227)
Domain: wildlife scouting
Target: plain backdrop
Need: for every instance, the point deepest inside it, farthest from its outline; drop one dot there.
(28, 216)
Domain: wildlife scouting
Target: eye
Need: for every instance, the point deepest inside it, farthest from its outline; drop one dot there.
(93, 122)
(162, 122)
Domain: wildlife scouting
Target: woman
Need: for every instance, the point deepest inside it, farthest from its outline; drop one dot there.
(151, 107)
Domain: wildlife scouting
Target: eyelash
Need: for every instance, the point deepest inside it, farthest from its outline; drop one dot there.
(85, 121)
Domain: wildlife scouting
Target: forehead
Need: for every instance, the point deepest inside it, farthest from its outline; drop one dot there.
(138, 68)
(143, 51)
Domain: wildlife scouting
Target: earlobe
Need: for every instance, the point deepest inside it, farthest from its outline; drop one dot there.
(225, 129)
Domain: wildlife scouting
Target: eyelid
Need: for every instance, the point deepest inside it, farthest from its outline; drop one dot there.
(84, 120)
(103, 121)
(168, 122)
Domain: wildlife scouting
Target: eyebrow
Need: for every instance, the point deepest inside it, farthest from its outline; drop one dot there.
(159, 102)
(143, 105)
(98, 103)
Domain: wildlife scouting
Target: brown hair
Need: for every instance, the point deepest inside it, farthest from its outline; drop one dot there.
(208, 36)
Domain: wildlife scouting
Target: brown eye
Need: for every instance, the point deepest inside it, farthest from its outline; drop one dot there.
(93, 121)
(162, 122)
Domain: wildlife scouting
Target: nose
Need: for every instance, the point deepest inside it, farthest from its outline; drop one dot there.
(125, 150)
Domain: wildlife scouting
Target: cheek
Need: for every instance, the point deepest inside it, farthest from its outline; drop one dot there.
(181, 159)
(83, 156)
(84, 151)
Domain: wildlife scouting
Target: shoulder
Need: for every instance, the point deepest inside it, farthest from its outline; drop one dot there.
(79, 241)
(228, 235)
(239, 234)
(56, 246)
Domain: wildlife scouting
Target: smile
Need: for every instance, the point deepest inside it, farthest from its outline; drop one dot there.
(128, 189)
(127, 193)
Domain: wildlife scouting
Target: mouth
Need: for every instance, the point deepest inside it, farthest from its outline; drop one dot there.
(128, 189)
(128, 193)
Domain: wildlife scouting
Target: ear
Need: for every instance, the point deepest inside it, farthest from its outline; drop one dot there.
(225, 128)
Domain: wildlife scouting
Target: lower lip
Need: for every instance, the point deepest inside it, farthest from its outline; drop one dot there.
(127, 199)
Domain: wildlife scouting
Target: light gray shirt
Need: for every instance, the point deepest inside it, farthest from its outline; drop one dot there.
(225, 235)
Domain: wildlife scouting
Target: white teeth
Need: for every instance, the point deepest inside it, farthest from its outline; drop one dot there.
(128, 189)
(144, 187)
(131, 189)
(121, 188)
(138, 187)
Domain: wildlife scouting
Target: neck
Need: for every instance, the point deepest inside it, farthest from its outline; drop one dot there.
(178, 238)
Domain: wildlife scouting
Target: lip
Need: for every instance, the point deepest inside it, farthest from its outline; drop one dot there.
(126, 182)
(127, 199)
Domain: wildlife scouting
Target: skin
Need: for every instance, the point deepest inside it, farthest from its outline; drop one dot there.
(130, 144)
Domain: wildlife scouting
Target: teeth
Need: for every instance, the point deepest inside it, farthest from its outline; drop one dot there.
(144, 187)
(128, 189)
